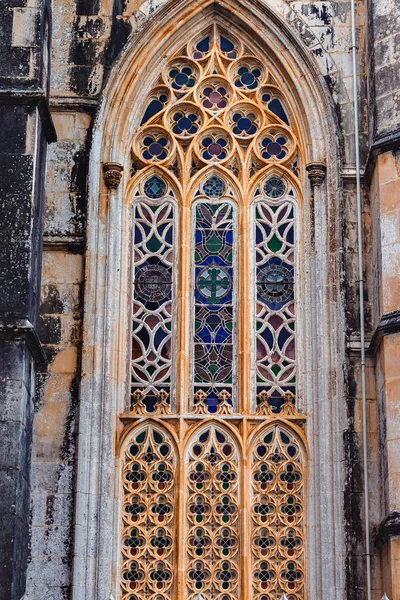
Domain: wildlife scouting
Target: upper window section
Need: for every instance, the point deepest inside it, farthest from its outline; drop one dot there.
(216, 132)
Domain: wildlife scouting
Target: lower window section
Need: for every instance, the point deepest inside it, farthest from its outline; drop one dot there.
(209, 538)
(212, 517)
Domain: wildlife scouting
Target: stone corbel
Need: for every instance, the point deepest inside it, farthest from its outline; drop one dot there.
(316, 173)
(112, 172)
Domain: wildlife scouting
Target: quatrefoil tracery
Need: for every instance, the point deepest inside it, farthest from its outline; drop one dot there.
(215, 84)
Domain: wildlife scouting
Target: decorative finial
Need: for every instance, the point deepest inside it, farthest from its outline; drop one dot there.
(162, 406)
(224, 408)
(264, 407)
(137, 405)
(112, 174)
(316, 173)
(200, 407)
(288, 408)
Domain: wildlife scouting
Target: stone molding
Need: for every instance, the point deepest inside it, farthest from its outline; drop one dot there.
(112, 172)
(388, 528)
(35, 98)
(22, 329)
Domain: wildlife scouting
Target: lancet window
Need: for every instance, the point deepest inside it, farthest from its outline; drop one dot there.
(216, 131)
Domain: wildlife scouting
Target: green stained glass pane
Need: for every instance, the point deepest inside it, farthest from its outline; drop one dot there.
(274, 245)
(275, 369)
(153, 244)
(214, 244)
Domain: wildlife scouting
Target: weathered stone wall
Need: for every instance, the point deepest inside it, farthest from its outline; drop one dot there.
(24, 126)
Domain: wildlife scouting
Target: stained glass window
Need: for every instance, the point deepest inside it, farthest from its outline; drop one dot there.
(148, 516)
(278, 517)
(274, 321)
(212, 516)
(153, 295)
(214, 297)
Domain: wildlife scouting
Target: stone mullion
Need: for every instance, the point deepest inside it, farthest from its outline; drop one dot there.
(184, 309)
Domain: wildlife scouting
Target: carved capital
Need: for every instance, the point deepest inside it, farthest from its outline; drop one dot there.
(137, 405)
(316, 173)
(112, 172)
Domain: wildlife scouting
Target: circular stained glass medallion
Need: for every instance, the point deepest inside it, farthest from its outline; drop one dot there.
(214, 187)
(213, 283)
(274, 187)
(275, 283)
(155, 187)
(153, 283)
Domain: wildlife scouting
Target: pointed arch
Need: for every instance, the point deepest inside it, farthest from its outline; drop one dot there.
(107, 320)
(149, 514)
(212, 560)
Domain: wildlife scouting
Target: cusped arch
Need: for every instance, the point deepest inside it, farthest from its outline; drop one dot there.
(278, 460)
(275, 40)
(212, 512)
(148, 512)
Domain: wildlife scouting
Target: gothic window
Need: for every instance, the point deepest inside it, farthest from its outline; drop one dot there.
(212, 513)
(148, 515)
(214, 291)
(215, 200)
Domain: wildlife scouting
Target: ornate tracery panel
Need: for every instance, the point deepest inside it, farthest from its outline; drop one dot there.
(213, 558)
(277, 504)
(154, 289)
(148, 514)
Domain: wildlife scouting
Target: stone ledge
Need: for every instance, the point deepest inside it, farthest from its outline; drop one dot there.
(388, 528)
(390, 323)
(22, 329)
(33, 98)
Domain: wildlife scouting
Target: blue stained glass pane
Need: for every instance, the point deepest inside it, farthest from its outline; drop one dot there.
(214, 278)
(276, 107)
(204, 45)
(153, 108)
(226, 45)
(214, 187)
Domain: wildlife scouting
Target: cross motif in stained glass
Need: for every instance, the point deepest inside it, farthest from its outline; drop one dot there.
(214, 283)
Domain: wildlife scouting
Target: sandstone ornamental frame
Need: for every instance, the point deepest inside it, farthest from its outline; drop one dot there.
(105, 392)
